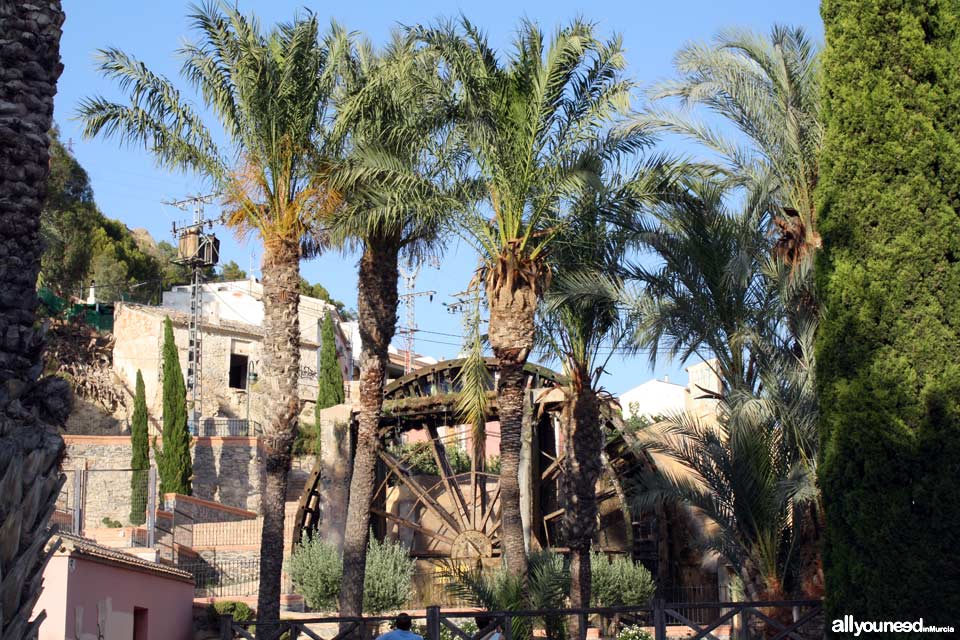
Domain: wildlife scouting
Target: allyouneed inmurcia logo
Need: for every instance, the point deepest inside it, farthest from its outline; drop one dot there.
(848, 625)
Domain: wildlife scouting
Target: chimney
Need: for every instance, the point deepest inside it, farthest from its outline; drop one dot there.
(92, 296)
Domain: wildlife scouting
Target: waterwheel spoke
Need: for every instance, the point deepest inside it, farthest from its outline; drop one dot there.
(489, 510)
(403, 522)
(429, 501)
(553, 469)
(446, 475)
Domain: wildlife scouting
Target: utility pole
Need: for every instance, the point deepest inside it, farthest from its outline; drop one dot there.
(199, 251)
(408, 299)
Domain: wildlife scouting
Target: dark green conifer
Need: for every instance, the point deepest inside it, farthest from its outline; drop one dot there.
(330, 390)
(888, 350)
(173, 461)
(140, 456)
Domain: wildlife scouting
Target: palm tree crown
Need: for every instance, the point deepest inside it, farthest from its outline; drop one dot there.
(768, 88)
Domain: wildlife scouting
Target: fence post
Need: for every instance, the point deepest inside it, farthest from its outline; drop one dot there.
(659, 620)
(582, 621)
(433, 623)
(226, 627)
(151, 505)
(78, 501)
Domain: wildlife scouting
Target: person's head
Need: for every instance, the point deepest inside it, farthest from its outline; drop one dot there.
(482, 622)
(403, 622)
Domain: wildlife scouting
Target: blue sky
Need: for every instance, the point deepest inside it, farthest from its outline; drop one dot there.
(129, 187)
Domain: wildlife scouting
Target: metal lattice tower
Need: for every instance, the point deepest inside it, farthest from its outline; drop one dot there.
(409, 302)
(198, 251)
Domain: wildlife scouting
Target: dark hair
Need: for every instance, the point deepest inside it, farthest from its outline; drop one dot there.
(403, 622)
(482, 622)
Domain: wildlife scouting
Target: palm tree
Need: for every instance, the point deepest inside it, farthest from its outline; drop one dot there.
(768, 89)
(705, 292)
(31, 407)
(271, 95)
(583, 332)
(535, 126)
(399, 189)
(719, 291)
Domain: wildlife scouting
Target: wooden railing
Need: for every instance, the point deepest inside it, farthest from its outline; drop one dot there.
(770, 620)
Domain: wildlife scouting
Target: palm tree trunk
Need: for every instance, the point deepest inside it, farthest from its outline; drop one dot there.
(281, 367)
(582, 466)
(513, 304)
(30, 407)
(377, 311)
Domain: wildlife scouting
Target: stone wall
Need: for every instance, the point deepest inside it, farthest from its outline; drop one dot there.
(226, 470)
(139, 338)
(201, 511)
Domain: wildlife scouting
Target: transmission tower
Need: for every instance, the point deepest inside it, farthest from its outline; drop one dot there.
(409, 300)
(199, 251)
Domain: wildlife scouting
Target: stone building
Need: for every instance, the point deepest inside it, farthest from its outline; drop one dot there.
(231, 351)
(231, 344)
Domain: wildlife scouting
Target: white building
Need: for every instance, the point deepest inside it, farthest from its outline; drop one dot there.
(242, 301)
(655, 398)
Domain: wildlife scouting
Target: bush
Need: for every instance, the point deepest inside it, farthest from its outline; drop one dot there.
(634, 632)
(110, 523)
(619, 581)
(387, 583)
(468, 626)
(545, 587)
(240, 611)
(418, 456)
(316, 568)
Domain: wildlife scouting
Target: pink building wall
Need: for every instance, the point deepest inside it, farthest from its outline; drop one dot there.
(80, 593)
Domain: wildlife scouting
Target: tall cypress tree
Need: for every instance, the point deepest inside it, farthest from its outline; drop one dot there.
(173, 462)
(140, 457)
(889, 347)
(330, 390)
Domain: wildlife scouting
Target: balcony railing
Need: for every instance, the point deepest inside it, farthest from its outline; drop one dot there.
(224, 427)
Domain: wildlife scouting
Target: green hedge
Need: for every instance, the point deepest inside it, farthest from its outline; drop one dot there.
(889, 275)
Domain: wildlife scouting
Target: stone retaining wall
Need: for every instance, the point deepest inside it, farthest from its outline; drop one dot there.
(226, 470)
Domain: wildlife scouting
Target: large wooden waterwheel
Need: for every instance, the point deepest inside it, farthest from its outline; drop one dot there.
(439, 493)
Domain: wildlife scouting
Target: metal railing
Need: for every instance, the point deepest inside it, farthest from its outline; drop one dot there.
(117, 507)
(688, 600)
(236, 532)
(219, 427)
(174, 533)
(233, 578)
(769, 620)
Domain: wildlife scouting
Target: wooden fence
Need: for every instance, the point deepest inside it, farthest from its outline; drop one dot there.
(769, 620)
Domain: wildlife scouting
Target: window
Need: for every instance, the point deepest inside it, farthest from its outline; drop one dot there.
(238, 371)
(139, 623)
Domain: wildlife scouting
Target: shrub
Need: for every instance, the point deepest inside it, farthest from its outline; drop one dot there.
(619, 581)
(468, 626)
(634, 632)
(418, 456)
(316, 568)
(387, 583)
(545, 587)
(240, 611)
(110, 523)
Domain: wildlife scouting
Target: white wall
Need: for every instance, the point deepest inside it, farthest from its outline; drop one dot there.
(654, 398)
